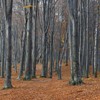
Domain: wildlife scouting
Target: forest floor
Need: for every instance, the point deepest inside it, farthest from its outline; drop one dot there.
(51, 89)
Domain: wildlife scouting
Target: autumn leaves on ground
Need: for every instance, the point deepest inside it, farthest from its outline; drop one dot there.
(51, 89)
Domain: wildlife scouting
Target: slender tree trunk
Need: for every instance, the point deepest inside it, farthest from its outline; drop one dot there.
(28, 70)
(3, 49)
(15, 49)
(52, 36)
(73, 14)
(87, 43)
(23, 57)
(45, 33)
(8, 22)
(35, 39)
(96, 45)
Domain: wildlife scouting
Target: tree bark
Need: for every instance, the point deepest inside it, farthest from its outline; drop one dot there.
(7, 5)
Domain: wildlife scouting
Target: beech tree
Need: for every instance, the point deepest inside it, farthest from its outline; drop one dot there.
(73, 18)
(28, 66)
(7, 6)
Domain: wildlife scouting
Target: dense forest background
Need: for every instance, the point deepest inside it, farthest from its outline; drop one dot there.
(49, 39)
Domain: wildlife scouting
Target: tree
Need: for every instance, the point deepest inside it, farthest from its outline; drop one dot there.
(52, 25)
(28, 66)
(96, 43)
(45, 36)
(3, 49)
(35, 34)
(73, 17)
(7, 6)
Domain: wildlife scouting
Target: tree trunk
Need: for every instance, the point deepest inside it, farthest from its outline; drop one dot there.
(73, 14)
(29, 42)
(8, 22)
(96, 44)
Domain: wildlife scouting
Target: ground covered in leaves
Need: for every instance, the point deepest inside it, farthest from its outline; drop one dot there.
(51, 89)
